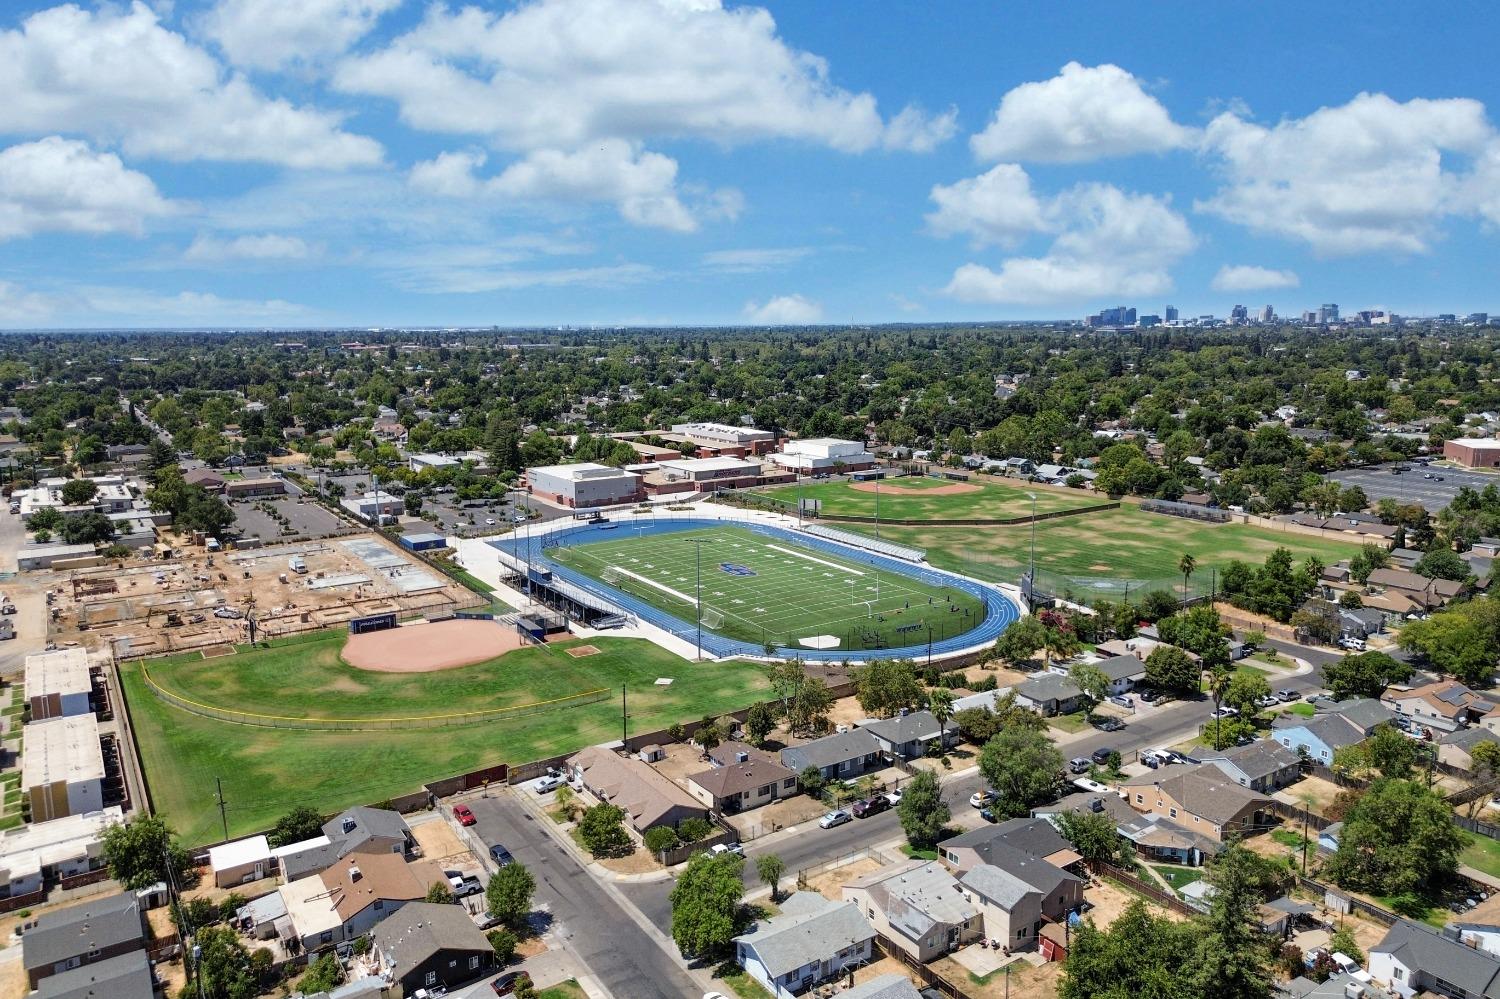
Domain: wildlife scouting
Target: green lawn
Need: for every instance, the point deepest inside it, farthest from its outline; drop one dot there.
(759, 589)
(563, 990)
(1302, 708)
(1483, 854)
(1075, 722)
(266, 771)
(741, 984)
(904, 499)
(1105, 551)
(1287, 838)
(1178, 877)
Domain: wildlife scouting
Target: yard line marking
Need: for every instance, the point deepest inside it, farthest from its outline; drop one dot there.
(660, 586)
(831, 565)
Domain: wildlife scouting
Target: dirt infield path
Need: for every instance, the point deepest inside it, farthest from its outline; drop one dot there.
(951, 489)
(427, 648)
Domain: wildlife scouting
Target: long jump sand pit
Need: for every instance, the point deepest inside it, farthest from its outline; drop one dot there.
(427, 648)
(950, 489)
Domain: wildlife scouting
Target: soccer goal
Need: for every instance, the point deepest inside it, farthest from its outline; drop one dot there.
(612, 576)
(712, 618)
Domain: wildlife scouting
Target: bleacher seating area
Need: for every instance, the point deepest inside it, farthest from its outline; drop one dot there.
(904, 552)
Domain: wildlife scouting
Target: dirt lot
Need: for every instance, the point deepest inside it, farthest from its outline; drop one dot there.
(1316, 792)
(13, 979)
(437, 840)
(777, 815)
(830, 884)
(146, 606)
(1109, 900)
(1025, 981)
(680, 761)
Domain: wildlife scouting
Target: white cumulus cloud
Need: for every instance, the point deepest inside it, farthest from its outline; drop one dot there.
(117, 75)
(266, 247)
(62, 185)
(996, 207)
(271, 34)
(1083, 113)
(784, 310)
(1372, 175)
(1248, 277)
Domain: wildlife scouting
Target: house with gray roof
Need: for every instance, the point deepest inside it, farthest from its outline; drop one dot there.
(369, 830)
(992, 844)
(425, 944)
(813, 941)
(1265, 765)
(740, 786)
(127, 976)
(1018, 898)
(1340, 986)
(99, 929)
(908, 735)
(918, 907)
(888, 986)
(1123, 672)
(1412, 959)
(1345, 724)
(1457, 748)
(1202, 798)
(1049, 694)
(841, 756)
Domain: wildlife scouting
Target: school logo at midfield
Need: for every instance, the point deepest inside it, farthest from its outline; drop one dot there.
(735, 569)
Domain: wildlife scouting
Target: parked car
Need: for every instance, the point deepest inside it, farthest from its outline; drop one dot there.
(893, 798)
(464, 816)
(1225, 712)
(500, 855)
(1268, 701)
(1123, 700)
(835, 818)
(1286, 696)
(489, 522)
(719, 849)
(1080, 765)
(1152, 696)
(463, 887)
(981, 798)
(1109, 724)
(506, 984)
(548, 784)
(1101, 755)
(866, 807)
(1352, 644)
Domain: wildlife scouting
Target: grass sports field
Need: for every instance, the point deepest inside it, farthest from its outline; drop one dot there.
(267, 771)
(758, 589)
(921, 498)
(1104, 551)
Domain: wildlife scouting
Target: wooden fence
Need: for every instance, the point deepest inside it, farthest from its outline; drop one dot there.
(1156, 894)
(928, 978)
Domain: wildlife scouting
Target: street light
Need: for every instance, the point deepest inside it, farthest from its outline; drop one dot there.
(1031, 567)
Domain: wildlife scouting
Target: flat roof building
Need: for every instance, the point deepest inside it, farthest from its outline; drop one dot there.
(584, 484)
(45, 556)
(822, 455)
(62, 767)
(1473, 452)
(726, 439)
(61, 848)
(59, 684)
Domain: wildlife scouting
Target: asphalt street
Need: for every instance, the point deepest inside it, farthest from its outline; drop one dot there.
(621, 955)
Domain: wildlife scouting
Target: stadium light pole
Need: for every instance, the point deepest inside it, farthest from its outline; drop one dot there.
(698, 548)
(1031, 566)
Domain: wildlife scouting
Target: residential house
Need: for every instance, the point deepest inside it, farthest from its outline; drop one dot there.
(1456, 748)
(648, 798)
(1411, 960)
(241, 861)
(1429, 594)
(1361, 622)
(813, 941)
(1122, 671)
(33, 854)
(59, 683)
(918, 907)
(426, 945)
(746, 784)
(1020, 897)
(1138, 647)
(1110, 804)
(842, 756)
(1265, 765)
(733, 751)
(62, 770)
(204, 478)
(1201, 798)
(1049, 694)
(126, 976)
(909, 735)
(991, 844)
(1318, 738)
(369, 830)
(1159, 838)
(888, 986)
(94, 931)
(1444, 706)
(348, 899)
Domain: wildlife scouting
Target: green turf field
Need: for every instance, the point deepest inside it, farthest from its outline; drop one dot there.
(993, 500)
(268, 771)
(791, 591)
(1107, 550)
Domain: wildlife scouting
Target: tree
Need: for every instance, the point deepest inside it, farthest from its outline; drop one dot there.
(977, 725)
(1021, 766)
(87, 528)
(1244, 689)
(1158, 605)
(1022, 640)
(1094, 835)
(225, 969)
(1232, 957)
(1398, 838)
(940, 703)
(1319, 619)
(1091, 680)
(504, 944)
(1139, 955)
(1364, 675)
(760, 721)
(922, 810)
(708, 736)
(770, 868)
(885, 686)
(46, 519)
(143, 852)
(1170, 669)
(301, 823)
(660, 838)
(323, 975)
(1186, 565)
(76, 492)
(1442, 563)
(811, 781)
(1454, 642)
(1344, 942)
(440, 893)
(706, 903)
(508, 895)
(602, 829)
(1390, 752)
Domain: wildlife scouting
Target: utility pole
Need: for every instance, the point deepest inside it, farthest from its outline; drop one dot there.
(223, 810)
(877, 507)
(1304, 839)
(1031, 577)
(624, 718)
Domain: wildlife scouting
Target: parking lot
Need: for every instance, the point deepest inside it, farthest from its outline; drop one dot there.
(304, 519)
(464, 520)
(1413, 486)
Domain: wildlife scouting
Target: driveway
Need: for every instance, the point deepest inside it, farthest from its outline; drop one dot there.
(625, 959)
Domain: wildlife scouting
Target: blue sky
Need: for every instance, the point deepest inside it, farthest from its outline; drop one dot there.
(390, 162)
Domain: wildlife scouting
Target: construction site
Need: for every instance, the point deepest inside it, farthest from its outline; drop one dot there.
(198, 599)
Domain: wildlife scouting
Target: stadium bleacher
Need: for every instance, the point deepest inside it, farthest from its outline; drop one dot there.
(904, 552)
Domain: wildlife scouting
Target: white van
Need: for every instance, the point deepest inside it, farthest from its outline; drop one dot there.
(1352, 644)
(297, 565)
(212, 544)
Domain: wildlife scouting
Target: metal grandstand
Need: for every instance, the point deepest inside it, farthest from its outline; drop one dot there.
(1191, 511)
(904, 552)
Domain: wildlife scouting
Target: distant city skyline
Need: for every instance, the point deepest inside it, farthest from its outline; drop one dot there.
(355, 163)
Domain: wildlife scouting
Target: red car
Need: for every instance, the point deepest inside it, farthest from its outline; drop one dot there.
(464, 816)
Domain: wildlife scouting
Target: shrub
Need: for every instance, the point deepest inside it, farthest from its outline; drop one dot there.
(694, 829)
(504, 942)
(660, 838)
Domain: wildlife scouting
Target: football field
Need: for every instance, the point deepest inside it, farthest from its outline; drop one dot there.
(774, 589)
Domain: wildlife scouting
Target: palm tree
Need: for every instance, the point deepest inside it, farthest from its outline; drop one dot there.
(1186, 565)
(940, 703)
(1218, 686)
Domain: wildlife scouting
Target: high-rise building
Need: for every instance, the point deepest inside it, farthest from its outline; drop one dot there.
(1239, 314)
(1171, 313)
(1267, 314)
(1310, 318)
(1328, 313)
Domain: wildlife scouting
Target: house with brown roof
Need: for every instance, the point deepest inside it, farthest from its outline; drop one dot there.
(348, 899)
(1428, 593)
(1445, 705)
(647, 797)
(1202, 799)
(204, 478)
(747, 783)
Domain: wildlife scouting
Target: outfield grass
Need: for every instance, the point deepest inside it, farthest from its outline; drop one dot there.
(268, 771)
(904, 499)
(759, 589)
(1123, 544)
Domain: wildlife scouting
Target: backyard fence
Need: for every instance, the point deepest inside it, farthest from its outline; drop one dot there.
(1156, 894)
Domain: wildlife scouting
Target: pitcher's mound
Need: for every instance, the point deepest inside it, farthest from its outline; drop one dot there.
(427, 648)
